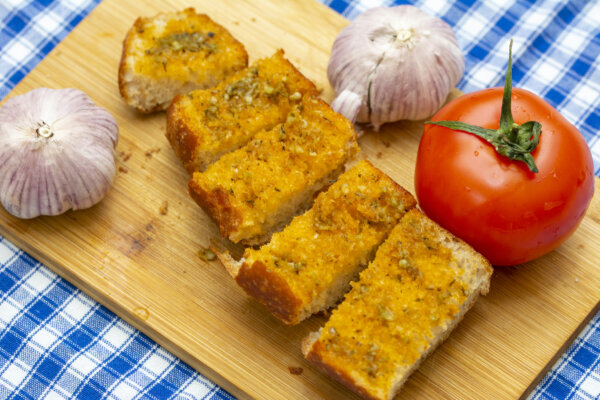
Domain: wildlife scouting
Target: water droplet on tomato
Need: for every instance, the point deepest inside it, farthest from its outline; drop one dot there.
(476, 153)
(549, 205)
(581, 178)
(467, 189)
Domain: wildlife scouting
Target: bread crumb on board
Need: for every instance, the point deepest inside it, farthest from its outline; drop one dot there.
(150, 152)
(206, 254)
(296, 370)
(164, 208)
(124, 155)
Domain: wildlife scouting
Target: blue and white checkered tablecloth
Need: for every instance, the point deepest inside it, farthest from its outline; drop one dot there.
(57, 343)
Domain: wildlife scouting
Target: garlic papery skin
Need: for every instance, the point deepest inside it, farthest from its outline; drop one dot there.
(399, 61)
(57, 152)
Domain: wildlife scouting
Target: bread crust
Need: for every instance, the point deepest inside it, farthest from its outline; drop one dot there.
(270, 290)
(218, 205)
(307, 267)
(231, 265)
(267, 288)
(422, 261)
(312, 353)
(125, 49)
(190, 129)
(182, 138)
(170, 60)
(248, 193)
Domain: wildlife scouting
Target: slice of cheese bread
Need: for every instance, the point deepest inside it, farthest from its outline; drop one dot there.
(257, 189)
(175, 53)
(407, 301)
(307, 267)
(205, 124)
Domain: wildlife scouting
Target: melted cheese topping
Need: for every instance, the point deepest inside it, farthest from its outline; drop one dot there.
(337, 235)
(278, 165)
(412, 289)
(177, 45)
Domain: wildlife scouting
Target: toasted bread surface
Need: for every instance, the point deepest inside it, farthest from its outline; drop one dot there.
(258, 188)
(205, 124)
(404, 304)
(174, 53)
(308, 266)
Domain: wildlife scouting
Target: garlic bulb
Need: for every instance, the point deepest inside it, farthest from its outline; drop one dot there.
(393, 63)
(56, 152)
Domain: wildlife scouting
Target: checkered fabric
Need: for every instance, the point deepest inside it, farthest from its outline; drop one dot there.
(56, 342)
(577, 374)
(29, 30)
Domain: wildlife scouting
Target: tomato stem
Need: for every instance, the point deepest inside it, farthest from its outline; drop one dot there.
(510, 139)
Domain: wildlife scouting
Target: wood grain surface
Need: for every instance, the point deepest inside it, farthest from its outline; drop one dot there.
(143, 264)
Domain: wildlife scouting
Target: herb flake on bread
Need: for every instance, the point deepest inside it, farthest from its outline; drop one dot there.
(174, 53)
(406, 302)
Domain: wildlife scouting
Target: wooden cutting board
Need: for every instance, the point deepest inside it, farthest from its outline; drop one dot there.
(143, 264)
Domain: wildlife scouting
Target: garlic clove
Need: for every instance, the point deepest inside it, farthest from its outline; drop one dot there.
(56, 152)
(400, 60)
(347, 67)
(348, 104)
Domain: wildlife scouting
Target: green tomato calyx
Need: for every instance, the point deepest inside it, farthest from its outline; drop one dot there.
(510, 139)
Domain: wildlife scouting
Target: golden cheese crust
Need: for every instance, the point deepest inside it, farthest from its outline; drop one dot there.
(174, 53)
(205, 124)
(404, 304)
(307, 267)
(251, 191)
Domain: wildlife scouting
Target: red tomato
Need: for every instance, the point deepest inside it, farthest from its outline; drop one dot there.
(506, 212)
